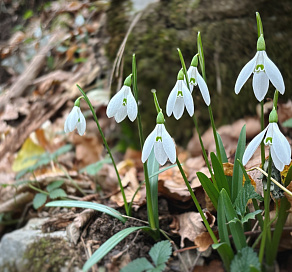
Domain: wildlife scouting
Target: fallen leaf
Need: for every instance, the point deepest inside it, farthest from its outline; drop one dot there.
(204, 240)
(189, 225)
(214, 265)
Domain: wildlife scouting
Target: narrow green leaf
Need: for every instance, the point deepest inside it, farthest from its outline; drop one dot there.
(287, 123)
(222, 222)
(57, 193)
(39, 200)
(106, 247)
(153, 167)
(244, 260)
(219, 174)
(236, 229)
(201, 55)
(226, 253)
(138, 265)
(237, 171)
(222, 149)
(183, 65)
(209, 188)
(87, 205)
(54, 185)
(160, 252)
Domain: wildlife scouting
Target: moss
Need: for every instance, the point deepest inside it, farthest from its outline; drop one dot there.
(49, 254)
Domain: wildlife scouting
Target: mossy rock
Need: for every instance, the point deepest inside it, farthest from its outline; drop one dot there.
(229, 35)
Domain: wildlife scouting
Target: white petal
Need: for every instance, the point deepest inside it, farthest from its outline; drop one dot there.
(281, 146)
(171, 100)
(159, 152)
(254, 144)
(168, 145)
(278, 164)
(245, 74)
(121, 114)
(116, 102)
(274, 74)
(66, 128)
(188, 100)
(81, 125)
(204, 89)
(178, 108)
(73, 118)
(148, 144)
(260, 84)
(132, 108)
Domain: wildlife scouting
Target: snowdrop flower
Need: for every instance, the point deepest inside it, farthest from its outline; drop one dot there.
(279, 146)
(164, 146)
(179, 97)
(123, 103)
(75, 119)
(264, 70)
(196, 79)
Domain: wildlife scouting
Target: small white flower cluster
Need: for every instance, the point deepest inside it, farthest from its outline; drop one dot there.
(264, 70)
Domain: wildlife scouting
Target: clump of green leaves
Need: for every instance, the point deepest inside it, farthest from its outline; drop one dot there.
(159, 254)
(53, 191)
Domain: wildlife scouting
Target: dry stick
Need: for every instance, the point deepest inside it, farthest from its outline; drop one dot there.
(120, 53)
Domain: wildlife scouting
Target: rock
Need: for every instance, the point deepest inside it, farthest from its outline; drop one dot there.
(15, 247)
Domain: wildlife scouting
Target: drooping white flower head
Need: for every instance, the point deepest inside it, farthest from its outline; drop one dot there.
(75, 119)
(196, 79)
(264, 70)
(160, 140)
(123, 103)
(279, 146)
(178, 98)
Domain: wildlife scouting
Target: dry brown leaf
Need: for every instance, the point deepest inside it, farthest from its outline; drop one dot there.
(107, 178)
(189, 225)
(130, 184)
(204, 240)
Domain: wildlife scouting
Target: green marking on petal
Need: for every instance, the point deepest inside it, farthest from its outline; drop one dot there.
(260, 68)
(269, 139)
(125, 102)
(193, 81)
(158, 138)
(179, 93)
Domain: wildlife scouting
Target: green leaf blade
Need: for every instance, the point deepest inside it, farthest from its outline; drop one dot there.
(244, 260)
(54, 185)
(39, 200)
(160, 252)
(138, 265)
(87, 205)
(106, 247)
(56, 193)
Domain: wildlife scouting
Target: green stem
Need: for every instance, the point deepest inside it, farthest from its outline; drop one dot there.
(266, 230)
(147, 182)
(197, 203)
(262, 128)
(215, 134)
(38, 190)
(107, 147)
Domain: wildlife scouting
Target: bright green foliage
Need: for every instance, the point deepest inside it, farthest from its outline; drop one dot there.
(159, 253)
(245, 193)
(245, 260)
(287, 123)
(54, 191)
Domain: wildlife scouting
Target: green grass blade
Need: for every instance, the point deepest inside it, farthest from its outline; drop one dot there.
(222, 149)
(106, 247)
(222, 222)
(237, 171)
(87, 205)
(209, 188)
(219, 174)
(288, 177)
(201, 55)
(153, 167)
(236, 228)
(226, 254)
(259, 25)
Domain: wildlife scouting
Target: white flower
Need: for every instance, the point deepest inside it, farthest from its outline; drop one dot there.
(178, 98)
(74, 120)
(122, 104)
(264, 70)
(164, 146)
(279, 146)
(196, 79)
